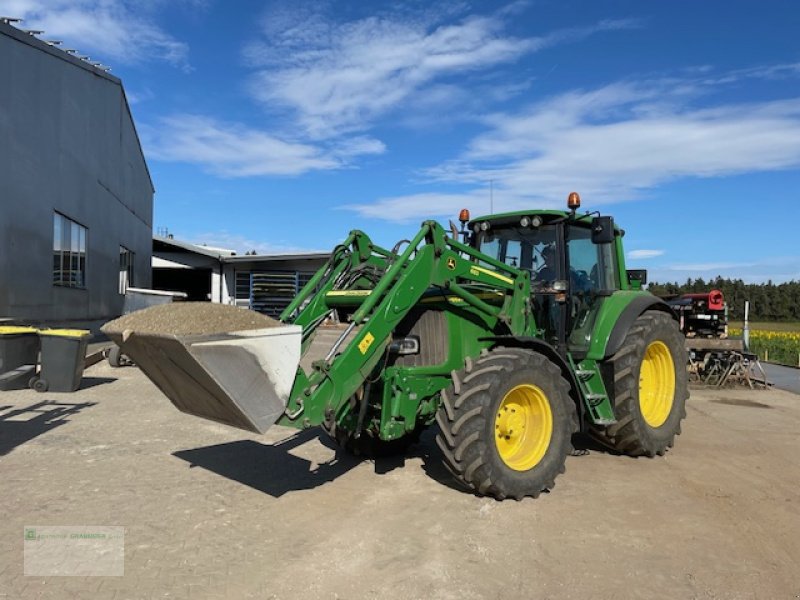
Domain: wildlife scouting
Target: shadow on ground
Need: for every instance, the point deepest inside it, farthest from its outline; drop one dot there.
(432, 462)
(90, 382)
(23, 424)
(585, 443)
(269, 468)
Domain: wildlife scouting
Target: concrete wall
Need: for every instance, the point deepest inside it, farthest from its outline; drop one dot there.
(67, 144)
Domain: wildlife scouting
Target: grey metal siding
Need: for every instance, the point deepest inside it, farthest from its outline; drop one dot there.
(67, 144)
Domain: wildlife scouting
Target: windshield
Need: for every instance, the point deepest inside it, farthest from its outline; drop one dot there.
(524, 248)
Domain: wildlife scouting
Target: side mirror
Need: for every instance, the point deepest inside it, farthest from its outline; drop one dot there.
(602, 230)
(639, 275)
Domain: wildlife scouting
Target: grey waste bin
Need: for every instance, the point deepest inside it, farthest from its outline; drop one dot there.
(62, 362)
(19, 347)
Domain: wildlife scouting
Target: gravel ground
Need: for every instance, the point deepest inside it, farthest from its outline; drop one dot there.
(189, 318)
(212, 512)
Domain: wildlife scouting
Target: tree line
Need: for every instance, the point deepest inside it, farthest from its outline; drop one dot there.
(768, 301)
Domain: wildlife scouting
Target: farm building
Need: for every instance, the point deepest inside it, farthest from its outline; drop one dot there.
(265, 283)
(76, 195)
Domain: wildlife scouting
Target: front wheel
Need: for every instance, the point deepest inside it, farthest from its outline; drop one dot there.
(650, 387)
(506, 423)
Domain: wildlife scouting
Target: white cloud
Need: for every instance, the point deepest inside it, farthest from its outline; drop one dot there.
(612, 144)
(773, 72)
(644, 254)
(235, 150)
(116, 30)
(339, 77)
(421, 206)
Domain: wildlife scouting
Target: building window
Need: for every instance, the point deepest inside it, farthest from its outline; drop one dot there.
(69, 252)
(125, 269)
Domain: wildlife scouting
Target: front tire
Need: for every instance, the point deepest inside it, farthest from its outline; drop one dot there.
(506, 424)
(650, 387)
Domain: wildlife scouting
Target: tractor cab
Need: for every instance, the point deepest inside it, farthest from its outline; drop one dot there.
(574, 263)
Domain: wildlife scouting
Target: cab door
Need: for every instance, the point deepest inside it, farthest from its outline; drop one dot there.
(592, 277)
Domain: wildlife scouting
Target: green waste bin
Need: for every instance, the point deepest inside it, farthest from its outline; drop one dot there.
(19, 348)
(62, 362)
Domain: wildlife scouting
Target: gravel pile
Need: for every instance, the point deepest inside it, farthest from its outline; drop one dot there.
(189, 318)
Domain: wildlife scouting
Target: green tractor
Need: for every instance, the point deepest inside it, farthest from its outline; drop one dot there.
(511, 335)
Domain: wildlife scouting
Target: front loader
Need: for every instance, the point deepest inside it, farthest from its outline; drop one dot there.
(511, 335)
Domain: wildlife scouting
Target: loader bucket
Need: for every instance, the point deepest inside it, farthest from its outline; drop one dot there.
(242, 379)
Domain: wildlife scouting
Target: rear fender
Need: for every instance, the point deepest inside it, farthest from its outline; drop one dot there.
(616, 317)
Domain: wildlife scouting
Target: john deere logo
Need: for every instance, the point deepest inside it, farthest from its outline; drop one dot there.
(451, 263)
(30, 534)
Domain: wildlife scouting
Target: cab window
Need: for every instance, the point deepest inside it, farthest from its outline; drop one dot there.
(592, 266)
(522, 248)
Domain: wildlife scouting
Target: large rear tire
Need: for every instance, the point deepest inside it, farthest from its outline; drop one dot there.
(506, 424)
(650, 387)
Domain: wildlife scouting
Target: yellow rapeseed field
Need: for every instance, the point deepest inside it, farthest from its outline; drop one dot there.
(776, 346)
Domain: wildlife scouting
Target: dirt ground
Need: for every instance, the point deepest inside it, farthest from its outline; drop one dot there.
(212, 512)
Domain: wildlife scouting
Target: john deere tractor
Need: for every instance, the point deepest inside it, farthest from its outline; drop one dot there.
(510, 335)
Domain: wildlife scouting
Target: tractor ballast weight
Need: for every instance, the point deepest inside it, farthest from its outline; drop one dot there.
(511, 340)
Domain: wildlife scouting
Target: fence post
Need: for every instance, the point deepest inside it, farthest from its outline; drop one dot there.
(746, 328)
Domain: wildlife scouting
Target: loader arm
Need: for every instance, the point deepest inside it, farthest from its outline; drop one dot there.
(252, 379)
(430, 260)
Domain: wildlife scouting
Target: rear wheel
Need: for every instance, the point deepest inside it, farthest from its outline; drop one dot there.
(650, 387)
(506, 423)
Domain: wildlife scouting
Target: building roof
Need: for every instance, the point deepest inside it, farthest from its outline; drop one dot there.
(172, 243)
(229, 256)
(53, 50)
(277, 257)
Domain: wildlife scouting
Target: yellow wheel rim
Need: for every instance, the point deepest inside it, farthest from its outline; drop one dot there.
(523, 427)
(656, 384)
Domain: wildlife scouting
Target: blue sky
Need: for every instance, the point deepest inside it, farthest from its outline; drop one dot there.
(280, 126)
